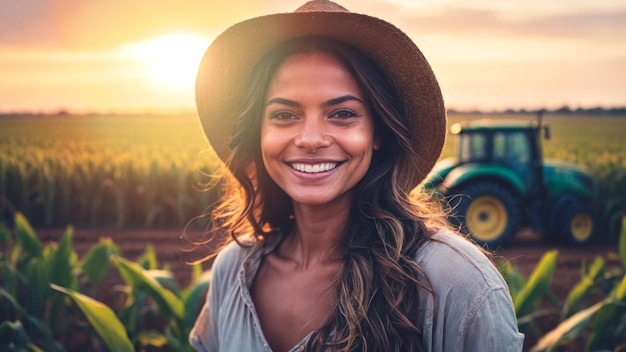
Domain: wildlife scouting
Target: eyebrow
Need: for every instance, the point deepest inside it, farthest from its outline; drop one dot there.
(282, 101)
(327, 103)
(342, 99)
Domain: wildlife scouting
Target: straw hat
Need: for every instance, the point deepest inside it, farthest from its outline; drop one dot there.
(229, 59)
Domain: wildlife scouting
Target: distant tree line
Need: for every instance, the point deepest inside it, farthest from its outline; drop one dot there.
(564, 110)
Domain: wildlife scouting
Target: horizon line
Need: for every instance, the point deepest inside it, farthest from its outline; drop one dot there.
(185, 111)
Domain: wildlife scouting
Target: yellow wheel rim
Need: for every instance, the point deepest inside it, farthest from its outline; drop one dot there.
(581, 226)
(486, 218)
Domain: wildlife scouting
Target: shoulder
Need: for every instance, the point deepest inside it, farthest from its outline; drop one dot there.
(230, 260)
(470, 300)
(448, 258)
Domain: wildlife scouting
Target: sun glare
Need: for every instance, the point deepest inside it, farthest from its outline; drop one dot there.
(171, 60)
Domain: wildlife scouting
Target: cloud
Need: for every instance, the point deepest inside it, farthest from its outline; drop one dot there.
(486, 23)
(94, 24)
(590, 26)
(25, 22)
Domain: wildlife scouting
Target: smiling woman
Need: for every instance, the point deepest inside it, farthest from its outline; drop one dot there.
(171, 60)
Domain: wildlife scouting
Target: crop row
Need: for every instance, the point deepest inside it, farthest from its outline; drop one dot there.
(104, 171)
(150, 171)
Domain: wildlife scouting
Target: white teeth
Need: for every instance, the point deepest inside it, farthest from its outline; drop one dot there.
(308, 168)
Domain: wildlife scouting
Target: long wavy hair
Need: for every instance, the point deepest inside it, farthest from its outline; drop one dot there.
(377, 289)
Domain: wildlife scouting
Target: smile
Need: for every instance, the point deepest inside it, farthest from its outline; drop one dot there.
(311, 169)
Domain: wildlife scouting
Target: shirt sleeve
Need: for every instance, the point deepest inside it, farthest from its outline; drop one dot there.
(493, 326)
(471, 305)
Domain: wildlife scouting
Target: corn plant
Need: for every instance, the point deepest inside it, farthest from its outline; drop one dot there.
(46, 302)
(33, 316)
(602, 325)
(528, 293)
(175, 309)
(592, 316)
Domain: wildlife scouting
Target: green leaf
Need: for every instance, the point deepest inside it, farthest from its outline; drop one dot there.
(138, 278)
(96, 263)
(196, 271)
(152, 338)
(103, 320)
(178, 344)
(14, 256)
(166, 279)
(35, 348)
(37, 328)
(37, 287)
(622, 242)
(609, 315)
(584, 287)
(620, 291)
(5, 238)
(537, 284)
(9, 278)
(193, 297)
(514, 279)
(60, 270)
(13, 333)
(148, 259)
(568, 329)
(26, 237)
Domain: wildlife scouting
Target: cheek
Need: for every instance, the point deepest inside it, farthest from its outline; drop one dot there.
(267, 144)
(271, 146)
(265, 140)
(361, 142)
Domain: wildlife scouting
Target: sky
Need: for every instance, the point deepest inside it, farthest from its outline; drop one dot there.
(141, 56)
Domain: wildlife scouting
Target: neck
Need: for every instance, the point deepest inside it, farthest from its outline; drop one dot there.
(317, 234)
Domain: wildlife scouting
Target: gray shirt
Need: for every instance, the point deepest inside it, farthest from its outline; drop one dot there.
(471, 309)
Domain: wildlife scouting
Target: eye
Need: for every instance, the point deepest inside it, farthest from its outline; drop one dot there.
(343, 114)
(282, 116)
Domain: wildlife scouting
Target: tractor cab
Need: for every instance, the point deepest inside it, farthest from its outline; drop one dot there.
(511, 144)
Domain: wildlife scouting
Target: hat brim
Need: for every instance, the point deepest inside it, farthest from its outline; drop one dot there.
(230, 58)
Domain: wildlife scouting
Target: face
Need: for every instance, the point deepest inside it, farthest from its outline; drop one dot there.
(317, 133)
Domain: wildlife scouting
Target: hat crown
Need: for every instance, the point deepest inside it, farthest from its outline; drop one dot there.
(321, 6)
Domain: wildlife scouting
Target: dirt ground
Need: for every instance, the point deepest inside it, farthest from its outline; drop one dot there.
(524, 252)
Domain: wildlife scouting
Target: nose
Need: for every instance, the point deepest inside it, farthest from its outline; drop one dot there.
(312, 135)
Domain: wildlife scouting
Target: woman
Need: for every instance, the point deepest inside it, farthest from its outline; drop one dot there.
(326, 120)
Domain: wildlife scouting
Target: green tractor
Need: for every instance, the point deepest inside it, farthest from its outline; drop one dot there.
(499, 183)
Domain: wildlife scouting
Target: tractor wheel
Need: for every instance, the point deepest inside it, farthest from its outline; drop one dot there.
(573, 222)
(488, 211)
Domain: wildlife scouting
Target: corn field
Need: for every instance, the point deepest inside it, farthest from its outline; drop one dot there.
(104, 171)
(149, 171)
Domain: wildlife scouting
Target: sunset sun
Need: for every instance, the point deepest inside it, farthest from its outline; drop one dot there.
(171, 60)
